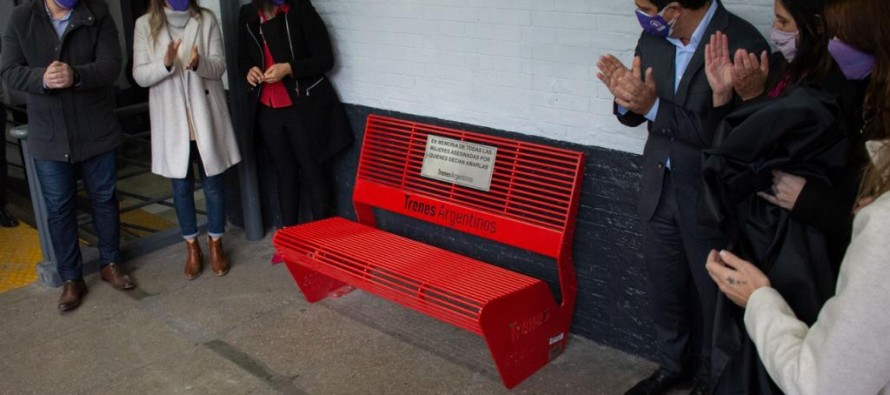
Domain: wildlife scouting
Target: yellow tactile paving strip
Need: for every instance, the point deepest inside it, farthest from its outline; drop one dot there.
(146, 219)
(20, 249)
(19, 255)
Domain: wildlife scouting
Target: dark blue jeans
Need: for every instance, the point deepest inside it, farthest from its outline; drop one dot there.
(214, 196)
(59, 183)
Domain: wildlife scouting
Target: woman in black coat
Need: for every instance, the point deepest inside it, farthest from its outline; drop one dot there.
(800, 34)
(782, 175)
(284, 52)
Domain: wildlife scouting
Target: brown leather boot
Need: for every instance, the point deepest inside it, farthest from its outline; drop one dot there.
(113, 275)
(218, 260)
(72, 294)
(193, 264)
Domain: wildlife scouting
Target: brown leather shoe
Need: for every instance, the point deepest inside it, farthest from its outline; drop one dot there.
(218, 260)
(72, 294)
(113, 275)
(193, 263)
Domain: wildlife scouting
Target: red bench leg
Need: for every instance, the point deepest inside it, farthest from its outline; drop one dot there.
(314, 285)
(524, 331)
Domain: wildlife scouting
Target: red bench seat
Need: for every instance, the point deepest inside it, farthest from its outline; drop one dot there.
(453, 288)
(531, 204)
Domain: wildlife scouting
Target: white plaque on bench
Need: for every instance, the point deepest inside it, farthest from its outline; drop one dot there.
(460, 162)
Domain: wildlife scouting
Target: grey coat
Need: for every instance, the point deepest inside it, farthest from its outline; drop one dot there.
(76, 123)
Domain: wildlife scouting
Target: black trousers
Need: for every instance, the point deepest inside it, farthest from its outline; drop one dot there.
(298, 166)
(683, 296)
(3, 167)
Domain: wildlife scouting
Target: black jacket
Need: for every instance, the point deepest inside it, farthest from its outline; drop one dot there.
(677, 131)
(824, 204)
(798, 133)
(70, 124)
(829, 205)
(301, 39)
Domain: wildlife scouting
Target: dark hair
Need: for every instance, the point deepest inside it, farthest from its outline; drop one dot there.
(862, 24)
(812, 60)
(688, 4)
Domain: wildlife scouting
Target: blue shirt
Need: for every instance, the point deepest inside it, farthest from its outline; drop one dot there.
(682, 58)
(684, 54)
(59, 24)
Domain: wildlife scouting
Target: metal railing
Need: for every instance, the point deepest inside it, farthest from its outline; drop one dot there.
(136, 238)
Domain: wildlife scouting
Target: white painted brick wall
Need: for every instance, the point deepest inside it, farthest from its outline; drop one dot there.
(518, 65)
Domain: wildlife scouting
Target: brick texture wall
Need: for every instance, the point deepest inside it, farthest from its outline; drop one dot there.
(522, 69)
(518, 65)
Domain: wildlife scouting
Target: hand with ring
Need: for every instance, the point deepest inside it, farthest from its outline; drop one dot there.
(750, 74)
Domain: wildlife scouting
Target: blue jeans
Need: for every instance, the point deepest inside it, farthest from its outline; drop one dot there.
(59, 183)
(214, 196)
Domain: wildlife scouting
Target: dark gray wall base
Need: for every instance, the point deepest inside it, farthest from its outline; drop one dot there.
(612, 305)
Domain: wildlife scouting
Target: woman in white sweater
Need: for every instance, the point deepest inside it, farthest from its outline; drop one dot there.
(847, 350)
(178, 55)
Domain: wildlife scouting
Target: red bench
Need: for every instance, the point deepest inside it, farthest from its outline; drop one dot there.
(531, 204)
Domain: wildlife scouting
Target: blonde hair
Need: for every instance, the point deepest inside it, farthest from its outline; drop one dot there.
(157, 20)
(875, 182)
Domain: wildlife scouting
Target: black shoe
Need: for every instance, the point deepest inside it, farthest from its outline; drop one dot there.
(7, 220)
(701, 388)
(656, 384)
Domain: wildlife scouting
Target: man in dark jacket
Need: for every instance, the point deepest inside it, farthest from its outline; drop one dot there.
(66, 56)
(667, 88)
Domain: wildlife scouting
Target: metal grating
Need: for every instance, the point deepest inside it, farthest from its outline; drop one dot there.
(531, 183)
(446, 285)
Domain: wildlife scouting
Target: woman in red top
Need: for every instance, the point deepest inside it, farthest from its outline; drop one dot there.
(284, 53)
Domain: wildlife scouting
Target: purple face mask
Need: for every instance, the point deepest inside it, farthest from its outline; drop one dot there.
(67, 4)
(179, 5)
(785, 42)
(855, 64)
(655, 25)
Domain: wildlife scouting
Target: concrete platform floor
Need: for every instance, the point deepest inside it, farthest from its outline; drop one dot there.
(252, 332)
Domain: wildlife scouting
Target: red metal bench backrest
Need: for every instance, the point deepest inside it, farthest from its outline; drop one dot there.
(531, 205)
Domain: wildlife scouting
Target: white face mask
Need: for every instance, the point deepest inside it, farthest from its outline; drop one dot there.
(785, 42)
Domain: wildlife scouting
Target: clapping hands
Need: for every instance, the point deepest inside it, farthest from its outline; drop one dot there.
(194, 58)
(631, 91)
(746, 74)
(172, 51)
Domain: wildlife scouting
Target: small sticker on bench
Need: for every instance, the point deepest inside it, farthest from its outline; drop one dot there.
(461, 162)
(556, 339)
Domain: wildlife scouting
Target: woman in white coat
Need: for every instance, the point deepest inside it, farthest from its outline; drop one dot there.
(178, 55)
